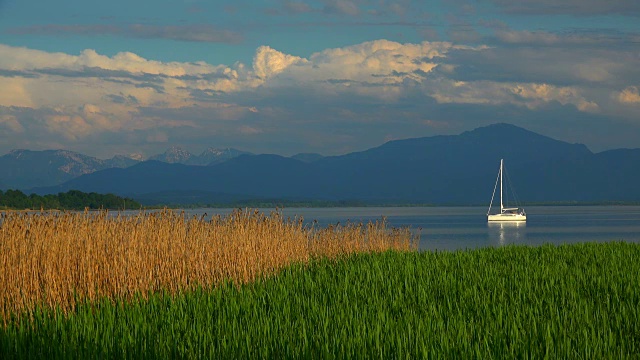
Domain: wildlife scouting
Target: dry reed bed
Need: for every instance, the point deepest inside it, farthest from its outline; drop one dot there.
(60, 258)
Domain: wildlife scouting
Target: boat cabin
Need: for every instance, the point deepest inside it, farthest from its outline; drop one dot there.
(513, 211)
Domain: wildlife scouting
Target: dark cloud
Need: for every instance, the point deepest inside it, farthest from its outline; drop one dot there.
(91, 72)
(54, 29)
(341, 7)
(198, 33)
(191, 33)
(17, 73)
(576, 38)
(123, 99)
(351, 8)
(139, 80)
(296, 7)
(207, 76)
(157, 87)
(352, 122)
(559, 59)
(570, 7)
(204, 95)
(464, 34)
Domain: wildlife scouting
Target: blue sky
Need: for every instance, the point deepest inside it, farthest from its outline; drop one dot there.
(326, 76)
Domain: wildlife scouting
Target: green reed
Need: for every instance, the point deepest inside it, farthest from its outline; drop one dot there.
(574, 301)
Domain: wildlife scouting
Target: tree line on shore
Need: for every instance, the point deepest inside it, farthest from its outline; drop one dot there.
(71, 200)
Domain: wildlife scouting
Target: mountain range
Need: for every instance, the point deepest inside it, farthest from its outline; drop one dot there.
(452, 169)
(25, 169)
(211, 156)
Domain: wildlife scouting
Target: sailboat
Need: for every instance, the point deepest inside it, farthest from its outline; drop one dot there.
(506, 214)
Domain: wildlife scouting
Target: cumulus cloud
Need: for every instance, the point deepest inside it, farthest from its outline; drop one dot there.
(268, 62)
(379, 62)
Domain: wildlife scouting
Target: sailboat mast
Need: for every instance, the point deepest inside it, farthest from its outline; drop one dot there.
(501, 206)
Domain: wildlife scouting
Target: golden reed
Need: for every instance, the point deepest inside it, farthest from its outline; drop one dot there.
(57, 258)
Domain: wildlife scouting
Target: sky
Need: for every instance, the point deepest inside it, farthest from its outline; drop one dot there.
(118, 77)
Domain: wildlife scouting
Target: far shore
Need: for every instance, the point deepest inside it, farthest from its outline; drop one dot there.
(323, 204)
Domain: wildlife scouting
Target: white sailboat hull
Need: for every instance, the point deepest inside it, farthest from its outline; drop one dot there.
(507, 217)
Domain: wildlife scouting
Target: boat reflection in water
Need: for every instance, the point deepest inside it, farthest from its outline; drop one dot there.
(508, 232)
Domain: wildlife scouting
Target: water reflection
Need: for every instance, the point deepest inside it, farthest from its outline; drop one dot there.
(508, 232)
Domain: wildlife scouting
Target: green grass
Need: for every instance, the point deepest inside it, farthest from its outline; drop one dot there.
(577, 301)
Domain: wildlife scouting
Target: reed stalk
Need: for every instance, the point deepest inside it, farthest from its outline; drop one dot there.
(59, 259)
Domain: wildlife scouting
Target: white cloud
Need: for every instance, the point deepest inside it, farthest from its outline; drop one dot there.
(14, 92)
(268, 62)
(528, 95)
(19, 58)
(630, 95)
(381, 57)
(376, 69)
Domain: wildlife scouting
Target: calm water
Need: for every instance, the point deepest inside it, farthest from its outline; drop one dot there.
(451, 228)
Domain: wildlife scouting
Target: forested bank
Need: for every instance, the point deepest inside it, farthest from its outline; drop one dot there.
(71, 200)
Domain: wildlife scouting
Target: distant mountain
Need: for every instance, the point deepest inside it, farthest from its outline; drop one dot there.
(456, 169)
(211, 156)
(173, 155)
(307, 157)
(23, 169)
(122, 161)
(252, 175)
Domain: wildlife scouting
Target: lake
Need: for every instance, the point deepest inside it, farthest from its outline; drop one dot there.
(453, 228)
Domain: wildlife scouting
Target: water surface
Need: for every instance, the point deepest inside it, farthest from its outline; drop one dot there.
(452, 228)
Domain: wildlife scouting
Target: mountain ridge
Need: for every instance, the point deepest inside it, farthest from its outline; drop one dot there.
(25, 169)
(450, 169)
